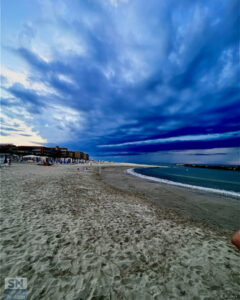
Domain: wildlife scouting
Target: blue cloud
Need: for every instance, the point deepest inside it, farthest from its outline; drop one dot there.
(28, 97)
(23, 134)
(10, 128)
(4, 134)
(139, 71)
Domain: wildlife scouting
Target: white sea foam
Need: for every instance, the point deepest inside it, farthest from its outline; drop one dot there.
(160, 180)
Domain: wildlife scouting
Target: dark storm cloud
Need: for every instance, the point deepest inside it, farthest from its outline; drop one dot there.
(166, 70)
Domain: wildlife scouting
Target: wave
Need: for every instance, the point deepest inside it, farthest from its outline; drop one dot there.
(160, 180)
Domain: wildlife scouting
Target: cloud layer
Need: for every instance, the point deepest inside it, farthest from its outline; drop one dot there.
(124, 78)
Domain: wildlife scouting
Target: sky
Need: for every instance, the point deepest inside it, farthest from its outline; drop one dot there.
(139, 81)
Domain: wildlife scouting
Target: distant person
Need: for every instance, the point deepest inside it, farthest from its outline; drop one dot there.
(236, 239)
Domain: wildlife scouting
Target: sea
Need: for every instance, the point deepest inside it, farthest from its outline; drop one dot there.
(217, 181)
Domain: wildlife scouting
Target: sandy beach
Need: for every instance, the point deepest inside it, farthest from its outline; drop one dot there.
(86, 234)
(213, 209)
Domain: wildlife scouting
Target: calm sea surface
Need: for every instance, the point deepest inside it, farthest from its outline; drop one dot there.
(207, 178)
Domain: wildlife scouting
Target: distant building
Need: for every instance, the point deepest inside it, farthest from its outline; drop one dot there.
(38, 150)
(71, 154)
(24, 150)
(77, 154)
(64, 152)
(54, 152)
(85, 156)
(7, 148)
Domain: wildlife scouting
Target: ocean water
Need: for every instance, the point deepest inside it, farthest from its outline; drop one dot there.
(219, 181)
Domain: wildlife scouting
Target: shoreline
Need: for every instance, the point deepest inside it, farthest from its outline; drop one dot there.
(79, 233)
(217, 210)
(189, 186)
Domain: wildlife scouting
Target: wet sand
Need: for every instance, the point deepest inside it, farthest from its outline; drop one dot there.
(74, 236)
(208, 208)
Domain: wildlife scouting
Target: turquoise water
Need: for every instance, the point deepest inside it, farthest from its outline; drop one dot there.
(207, 178)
